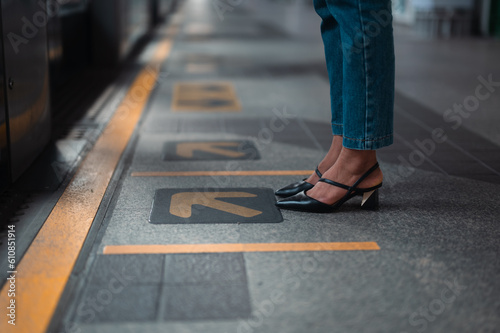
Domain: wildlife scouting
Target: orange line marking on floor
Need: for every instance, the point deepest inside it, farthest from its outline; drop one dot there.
(46, 266)
(256, 247)
(223, 173)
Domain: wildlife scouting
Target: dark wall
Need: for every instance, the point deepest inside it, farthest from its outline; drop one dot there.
(26, 72)
(495, 18)
(4, 147)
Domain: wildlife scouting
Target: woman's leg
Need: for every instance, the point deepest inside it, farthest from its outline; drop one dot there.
(330, 32)
(367, 90)
(368, 71)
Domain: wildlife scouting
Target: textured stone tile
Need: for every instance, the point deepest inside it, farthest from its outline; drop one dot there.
(130, 304)
(205, 268)
(212, 302)
(129, 269)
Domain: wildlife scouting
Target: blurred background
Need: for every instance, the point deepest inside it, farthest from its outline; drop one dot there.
(449, 18)
(72, 51)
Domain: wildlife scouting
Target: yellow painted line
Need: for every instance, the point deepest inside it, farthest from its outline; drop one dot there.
(226, 248)
(46, 266)
(222, 173)
(205, 97)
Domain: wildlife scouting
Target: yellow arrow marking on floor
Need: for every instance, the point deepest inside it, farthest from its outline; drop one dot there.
(181, 203)
(187, 149)
(205, 96)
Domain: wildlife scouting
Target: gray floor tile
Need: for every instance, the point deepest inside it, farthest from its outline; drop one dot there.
(205, 268)
(133, 303)
(131, 269)
(212, 302)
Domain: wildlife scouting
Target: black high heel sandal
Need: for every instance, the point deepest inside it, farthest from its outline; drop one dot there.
(302, 202)
(297, 187)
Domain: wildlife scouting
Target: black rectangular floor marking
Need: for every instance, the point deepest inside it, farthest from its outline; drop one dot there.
(228, 205)
(210, 150)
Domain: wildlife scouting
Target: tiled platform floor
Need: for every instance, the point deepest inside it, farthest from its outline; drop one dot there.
(437, 228)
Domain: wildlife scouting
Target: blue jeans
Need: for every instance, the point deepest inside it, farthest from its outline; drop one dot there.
(359, 49)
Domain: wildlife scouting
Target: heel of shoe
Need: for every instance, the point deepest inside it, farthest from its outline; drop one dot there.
(370, 200)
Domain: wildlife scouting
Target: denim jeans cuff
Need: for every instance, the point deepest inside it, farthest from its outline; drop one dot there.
(337, 129)
(371, 144)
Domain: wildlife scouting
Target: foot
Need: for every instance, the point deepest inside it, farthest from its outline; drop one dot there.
(329, 160)
(349, 167)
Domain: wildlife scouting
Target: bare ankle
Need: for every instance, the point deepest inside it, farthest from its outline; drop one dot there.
(332, 155)
(357, 161)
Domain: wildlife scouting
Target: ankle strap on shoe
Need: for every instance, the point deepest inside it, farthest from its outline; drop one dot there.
(373, 168)
(353, 187)
(331, 182)
(317, 172)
